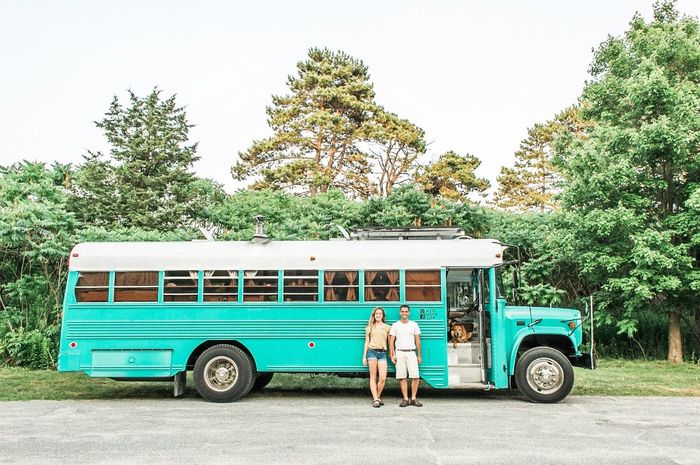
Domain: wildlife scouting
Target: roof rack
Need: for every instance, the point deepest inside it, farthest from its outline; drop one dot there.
(401, 234)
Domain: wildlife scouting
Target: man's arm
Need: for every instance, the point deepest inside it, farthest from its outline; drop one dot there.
(418, 351)
(391, 348)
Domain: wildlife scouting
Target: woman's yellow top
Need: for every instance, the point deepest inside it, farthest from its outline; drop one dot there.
(378, 335)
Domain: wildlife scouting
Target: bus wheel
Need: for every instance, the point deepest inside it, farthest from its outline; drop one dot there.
(223, 373)
(261, 381)
(544, 375)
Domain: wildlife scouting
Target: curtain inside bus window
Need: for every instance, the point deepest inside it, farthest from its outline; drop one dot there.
(423, 285)
(180, 286)
(136, 286)
(382, 285)
(220, 286)
(330, 291)
(260, 286)
(340, 286)
(300, 286)
(92, 287)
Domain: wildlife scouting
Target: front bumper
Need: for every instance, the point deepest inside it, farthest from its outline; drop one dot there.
(583, 361)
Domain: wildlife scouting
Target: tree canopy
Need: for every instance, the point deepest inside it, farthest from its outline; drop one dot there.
(317, 129)
(630, 183)
(453, 177)
(146, 181)
(533, 182)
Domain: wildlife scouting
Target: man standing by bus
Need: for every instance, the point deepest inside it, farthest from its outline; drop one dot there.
(405, 350)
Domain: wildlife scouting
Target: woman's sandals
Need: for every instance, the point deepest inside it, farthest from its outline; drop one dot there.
(377, 403)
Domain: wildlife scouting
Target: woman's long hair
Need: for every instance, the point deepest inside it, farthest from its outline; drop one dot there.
(371, 322)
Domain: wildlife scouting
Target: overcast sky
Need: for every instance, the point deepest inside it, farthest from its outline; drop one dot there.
(473, 75)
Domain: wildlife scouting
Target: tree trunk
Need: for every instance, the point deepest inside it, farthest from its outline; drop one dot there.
(675, 339)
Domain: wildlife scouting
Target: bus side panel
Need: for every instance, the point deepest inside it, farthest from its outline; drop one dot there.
(156, 340)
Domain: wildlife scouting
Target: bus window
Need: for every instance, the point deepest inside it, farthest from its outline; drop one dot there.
(180, 286)
(260, 286)
(423, 285)
(221, 286)
(301, 285)
(382, 285)
(136, 286)
(92, 287)
(341, 286)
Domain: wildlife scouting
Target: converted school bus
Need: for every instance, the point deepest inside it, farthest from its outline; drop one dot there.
(237, 312)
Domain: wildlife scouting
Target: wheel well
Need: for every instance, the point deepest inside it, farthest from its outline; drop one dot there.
(206, 344)
(556, 341)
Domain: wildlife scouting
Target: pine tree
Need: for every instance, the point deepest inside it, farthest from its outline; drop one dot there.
(452, 177)
(534, 181)
(146, 181)
(317, 130)
(394, 148)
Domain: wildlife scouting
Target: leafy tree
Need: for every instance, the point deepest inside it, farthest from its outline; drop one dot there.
(146, 182)
(534, 180)
(317, 128)
(631, 181)
(36, 235)
(452, 177)
(395, 145)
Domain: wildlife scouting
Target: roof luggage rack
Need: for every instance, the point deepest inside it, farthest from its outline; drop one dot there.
(401, 234)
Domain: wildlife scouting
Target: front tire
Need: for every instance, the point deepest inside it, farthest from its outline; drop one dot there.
(544, 375)
(223, 373)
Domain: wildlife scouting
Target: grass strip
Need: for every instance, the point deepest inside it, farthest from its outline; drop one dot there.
(612, 378)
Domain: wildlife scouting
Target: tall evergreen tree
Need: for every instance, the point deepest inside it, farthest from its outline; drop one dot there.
(146, 181)
(394, 147)
(629, 185)
(317, 128)
(453, 177)
(532, 183)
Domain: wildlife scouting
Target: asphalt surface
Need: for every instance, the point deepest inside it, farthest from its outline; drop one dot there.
(338, 429)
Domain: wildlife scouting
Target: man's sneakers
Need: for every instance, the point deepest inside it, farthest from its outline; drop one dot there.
(414, 402)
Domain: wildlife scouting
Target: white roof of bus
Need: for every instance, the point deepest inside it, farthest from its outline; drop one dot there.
(290, 255)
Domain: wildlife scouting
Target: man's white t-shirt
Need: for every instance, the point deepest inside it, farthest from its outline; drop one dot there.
(405, 334)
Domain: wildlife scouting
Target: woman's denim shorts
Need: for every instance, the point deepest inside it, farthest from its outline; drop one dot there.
(376, 354)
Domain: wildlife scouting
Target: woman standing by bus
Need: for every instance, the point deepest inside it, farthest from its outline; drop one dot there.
(374, 353)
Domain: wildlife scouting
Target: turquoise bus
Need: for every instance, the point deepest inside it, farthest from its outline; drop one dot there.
(235, 313)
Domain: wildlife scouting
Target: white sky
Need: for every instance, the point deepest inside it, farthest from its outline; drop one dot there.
(474, 75)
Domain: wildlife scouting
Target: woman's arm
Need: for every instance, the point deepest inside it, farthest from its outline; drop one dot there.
(364, 351)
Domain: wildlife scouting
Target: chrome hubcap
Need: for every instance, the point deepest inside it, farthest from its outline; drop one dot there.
(545, 374)
(221, 373)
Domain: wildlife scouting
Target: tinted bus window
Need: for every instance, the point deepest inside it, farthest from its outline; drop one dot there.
(92, 287)
(341, 286)
(301, 285)
(423, 285)
(136, 286)
(221, 286)
(180, 286)
(382, 285)
(260, 286)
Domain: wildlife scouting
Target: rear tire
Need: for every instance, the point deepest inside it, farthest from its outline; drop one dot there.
(261, 381)
(544, 375)
(223, 373)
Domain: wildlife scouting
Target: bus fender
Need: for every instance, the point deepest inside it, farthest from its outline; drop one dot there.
(543, 331)
(520, 335)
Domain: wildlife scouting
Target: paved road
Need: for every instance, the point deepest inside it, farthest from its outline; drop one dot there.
(338, 429)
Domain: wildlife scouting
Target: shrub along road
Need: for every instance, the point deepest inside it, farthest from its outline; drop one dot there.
(341, 429)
